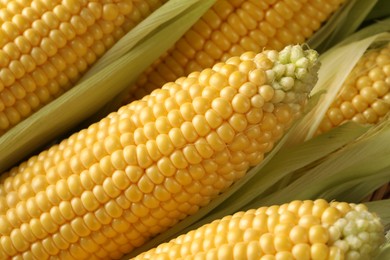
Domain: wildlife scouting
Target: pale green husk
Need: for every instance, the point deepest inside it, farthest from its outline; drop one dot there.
(342, 24)
(139, 48)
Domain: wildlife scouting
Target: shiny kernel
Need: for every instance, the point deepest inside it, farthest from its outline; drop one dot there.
(237, 79)
(380, 107)
(178, 160)
(222, 107)
(38, 229)
(164, 144)
(267, 243)
(201, 105)
(238, 122)
(368, 94)
(187, 111)
(191, 155)
(200, 124)
(89, 201)
(359, 103)
(301, 251)
(120, 180)
(241, 103)
(319, 251)
(267, 92)
(370, 115)
(318, 234)
(226, 132)
(335, 116)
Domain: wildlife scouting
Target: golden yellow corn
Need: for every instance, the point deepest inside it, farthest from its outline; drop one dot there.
(231, 28)
(300, 230)
(47, 45)
(109, 188)
(364, 96)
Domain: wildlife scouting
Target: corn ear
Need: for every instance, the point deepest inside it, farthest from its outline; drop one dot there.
(296, 230)
(86, 98)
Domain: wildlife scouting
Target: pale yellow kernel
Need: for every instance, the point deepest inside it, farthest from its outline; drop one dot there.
(283, 229)
(222, 107)
(200, 124)
(335, 116)
(301, 251)
(269, 122)
(359, 103)
(363, 81)
(285, 255)
(348, 92)
(238, 122)
(380, 107)
(376, 74)
(228, 93)
(166, 167)
(282, 243)
(380, 87)
(241, 103)
(318, 234)
(319, 251)
(189, 132)
(267, 92)
(258, 77)
(217, 80)
(370, 115)
(330, 215)
(187, 111)
(237, 79)
(210, 93)
(164, 144)
(308, 221)
(267, 243)
(368, 94)
(201, 105)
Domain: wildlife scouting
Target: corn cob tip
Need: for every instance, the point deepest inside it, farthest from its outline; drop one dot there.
(292, 73)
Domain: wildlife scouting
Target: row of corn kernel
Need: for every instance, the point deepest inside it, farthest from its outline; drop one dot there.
(230, 28)
(54, 47)
(297, 230)
(364, 96)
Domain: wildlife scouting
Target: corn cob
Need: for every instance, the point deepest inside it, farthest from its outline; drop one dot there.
(364, 96)
(296, 230)
(46, 46)
(108, 188)
(231, 28)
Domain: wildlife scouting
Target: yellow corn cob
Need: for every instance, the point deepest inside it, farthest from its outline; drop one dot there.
(300, 230)
(364, 96)
(109, 188)
(229, 29)
(46, 46)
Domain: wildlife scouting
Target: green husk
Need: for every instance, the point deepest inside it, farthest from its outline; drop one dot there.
(96, 89)
(381, 208)
(353, 162)
(381, 10)
(342, 24)
(384, 251)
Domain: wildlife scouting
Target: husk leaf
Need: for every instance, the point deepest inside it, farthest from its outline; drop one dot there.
(347, 21)
(330, 80)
